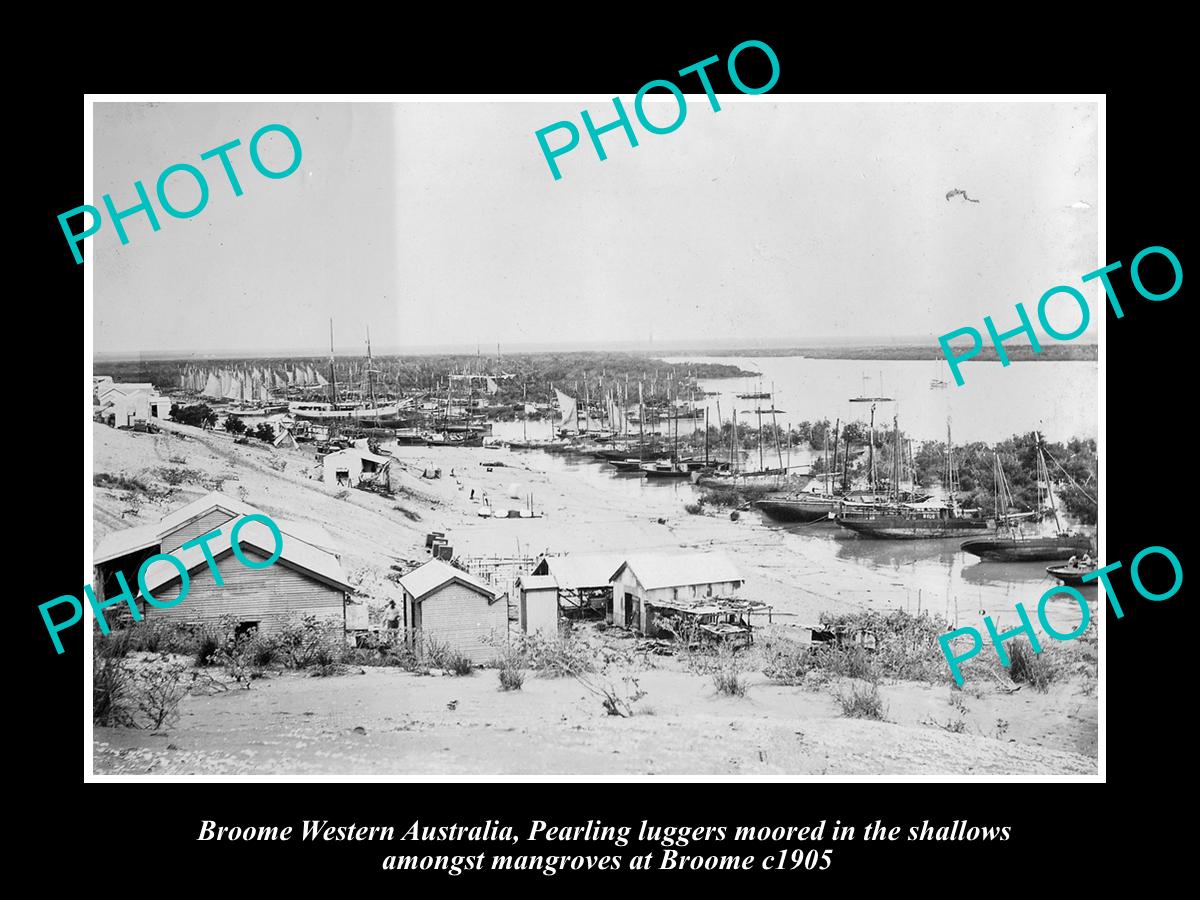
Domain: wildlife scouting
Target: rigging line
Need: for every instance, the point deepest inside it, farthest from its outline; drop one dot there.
(1070, 479)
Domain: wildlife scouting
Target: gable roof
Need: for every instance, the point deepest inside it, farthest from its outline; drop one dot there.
(297, 554)
(538, 582)
(361, 454)
(424, 580)
(660, 570)
(575, 571)
(144, 537)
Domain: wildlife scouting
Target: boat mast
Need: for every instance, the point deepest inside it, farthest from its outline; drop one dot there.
(896, 457)
(706, 435)
(833, 471)
(871, 453)
(828, 473)
(775, 427)
(758, 409)
(370, 370)
(641, 424)
(1045, 472)
(332, 379)
(733, 442)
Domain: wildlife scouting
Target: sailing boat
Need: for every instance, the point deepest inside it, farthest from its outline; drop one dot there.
(939, 379)
(913, 520)
(359, 412)
(1017, 546)
(808, 506)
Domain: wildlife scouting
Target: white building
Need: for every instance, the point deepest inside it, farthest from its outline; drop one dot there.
(669, 578)
(121, 404)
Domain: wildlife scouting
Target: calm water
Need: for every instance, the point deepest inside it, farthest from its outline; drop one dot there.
(1059, 398)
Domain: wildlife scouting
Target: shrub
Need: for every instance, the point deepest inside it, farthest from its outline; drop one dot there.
(906, 646)
(158, 688)
(120, 482)
(1028, 667)
(110, 687)
(730, 683)
(142, 693)
(619, 701)
(460, 664)
(863, 703)
(511, 678)
(263, 652)
(437, 653)
(694, 508)
(511, 665)
(208, 644)
(308, 641)
(727, 675)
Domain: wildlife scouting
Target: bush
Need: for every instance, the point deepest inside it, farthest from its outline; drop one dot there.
(308, 642)
(694, 508)
(437, 653)
(555, 657)
(511, 678)
(120, 482)
(511, 665)
(208, 644)
(143, 693)
(1028, 667)
(730, 683)
(727, 676)
(460, 664)
(863, 703)
(110, 687)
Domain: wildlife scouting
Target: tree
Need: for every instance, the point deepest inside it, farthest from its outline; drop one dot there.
(199, 415)
(234, 425)
(265, 432)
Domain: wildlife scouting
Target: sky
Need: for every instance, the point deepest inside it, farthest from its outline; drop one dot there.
(438, 224)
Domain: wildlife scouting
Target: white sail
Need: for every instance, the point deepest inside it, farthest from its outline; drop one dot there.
(234, 391)
(212, 387)
(492, 387)
(318, 377)
(569, 408)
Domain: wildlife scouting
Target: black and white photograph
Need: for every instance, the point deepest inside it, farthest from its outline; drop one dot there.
(425, 444)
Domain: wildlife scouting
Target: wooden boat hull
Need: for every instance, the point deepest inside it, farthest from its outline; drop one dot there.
(1071, 575)
(667, 473)
(904, 528)
(1038, 549)
(797, 510)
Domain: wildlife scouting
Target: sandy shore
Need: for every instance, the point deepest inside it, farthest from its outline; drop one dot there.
(289, 723)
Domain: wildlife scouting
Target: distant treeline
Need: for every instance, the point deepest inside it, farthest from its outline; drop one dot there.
(1017, 353)
(532, 374)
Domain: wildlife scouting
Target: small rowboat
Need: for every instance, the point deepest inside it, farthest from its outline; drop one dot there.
(1067, 574)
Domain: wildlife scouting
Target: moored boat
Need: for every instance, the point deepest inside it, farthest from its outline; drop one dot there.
(1069, 574)
(799, 507)
(1028, 549)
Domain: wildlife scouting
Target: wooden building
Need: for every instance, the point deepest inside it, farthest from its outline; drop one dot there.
(307, 579)
(539, 605)
(445, 604)
(643, 580)
(583, 581)
(346, 468)
(123, 404)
